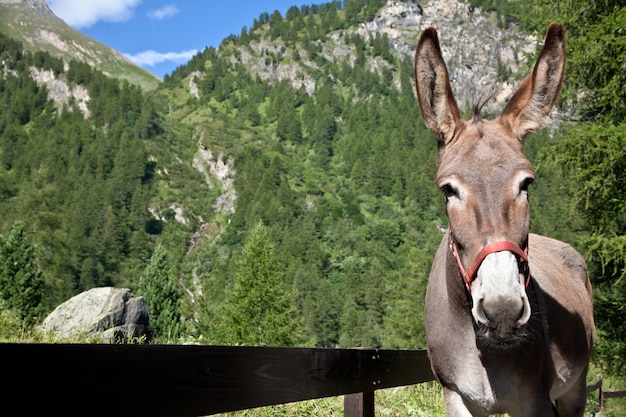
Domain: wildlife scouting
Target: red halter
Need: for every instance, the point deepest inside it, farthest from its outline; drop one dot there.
(504, 245)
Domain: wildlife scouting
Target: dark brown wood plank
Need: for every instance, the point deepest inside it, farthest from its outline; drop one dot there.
(169, 380)
(595, 386)
(614, 394)
(360, 404)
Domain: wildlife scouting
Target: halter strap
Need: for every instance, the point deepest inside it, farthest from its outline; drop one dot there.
(501, 246)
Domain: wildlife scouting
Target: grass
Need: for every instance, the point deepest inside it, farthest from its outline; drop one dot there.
(414, 400)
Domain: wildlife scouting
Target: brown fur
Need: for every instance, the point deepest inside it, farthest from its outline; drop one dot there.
(485, 174)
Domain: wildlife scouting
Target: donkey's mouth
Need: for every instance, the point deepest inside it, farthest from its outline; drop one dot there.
(500, 337)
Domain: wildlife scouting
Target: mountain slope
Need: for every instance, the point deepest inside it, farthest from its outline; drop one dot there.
(39, 29)
(482, 57)
(316, 117)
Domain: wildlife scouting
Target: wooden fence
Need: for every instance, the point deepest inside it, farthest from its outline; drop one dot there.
(178, 381)
(604, 395)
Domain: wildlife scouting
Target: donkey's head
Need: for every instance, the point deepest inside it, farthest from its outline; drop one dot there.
(484, 177)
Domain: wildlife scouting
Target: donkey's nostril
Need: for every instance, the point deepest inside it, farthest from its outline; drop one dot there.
(526, 312)
(479, 312)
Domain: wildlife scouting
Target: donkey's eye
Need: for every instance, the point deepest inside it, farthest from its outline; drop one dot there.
(449, 191)
(523, 186)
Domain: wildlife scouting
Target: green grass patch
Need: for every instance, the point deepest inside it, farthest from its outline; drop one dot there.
(415, 400)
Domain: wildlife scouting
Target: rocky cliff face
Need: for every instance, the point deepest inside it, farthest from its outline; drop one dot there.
(215, 166)
(482, 58)
(60, 92)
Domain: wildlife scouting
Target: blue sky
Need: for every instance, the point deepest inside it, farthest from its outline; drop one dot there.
(161, 35)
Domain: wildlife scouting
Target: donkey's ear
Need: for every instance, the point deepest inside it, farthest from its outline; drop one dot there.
(531, 103)
(434, 94)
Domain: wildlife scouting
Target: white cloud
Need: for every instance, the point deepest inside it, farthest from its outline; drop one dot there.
(151, 58)
(85, 13)
(163, 12)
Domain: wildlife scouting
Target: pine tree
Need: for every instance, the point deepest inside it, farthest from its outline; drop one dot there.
(288, 125)
(163, 296)
(260, 309)
(21, 284)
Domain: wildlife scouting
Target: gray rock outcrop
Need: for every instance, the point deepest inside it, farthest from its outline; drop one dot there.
(482, 58)
(105, 313)
(60, 92)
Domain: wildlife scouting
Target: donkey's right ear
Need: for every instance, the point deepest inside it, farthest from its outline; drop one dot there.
(434, 94)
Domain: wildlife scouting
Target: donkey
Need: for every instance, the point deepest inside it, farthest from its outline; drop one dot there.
(509, 316)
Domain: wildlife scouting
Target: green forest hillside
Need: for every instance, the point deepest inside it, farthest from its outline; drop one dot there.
(297, 211)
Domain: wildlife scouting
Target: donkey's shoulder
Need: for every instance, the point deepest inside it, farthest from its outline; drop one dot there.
(552, 259)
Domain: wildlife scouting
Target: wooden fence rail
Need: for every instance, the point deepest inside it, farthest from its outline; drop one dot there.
(604, 395)
(179, 381)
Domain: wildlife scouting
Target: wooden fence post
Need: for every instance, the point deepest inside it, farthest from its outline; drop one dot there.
(601, 398)
(360, 404)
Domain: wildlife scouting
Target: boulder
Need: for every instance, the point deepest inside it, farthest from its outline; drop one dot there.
(106, 313)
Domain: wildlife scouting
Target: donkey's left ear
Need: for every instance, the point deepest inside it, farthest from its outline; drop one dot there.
(530, 105)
